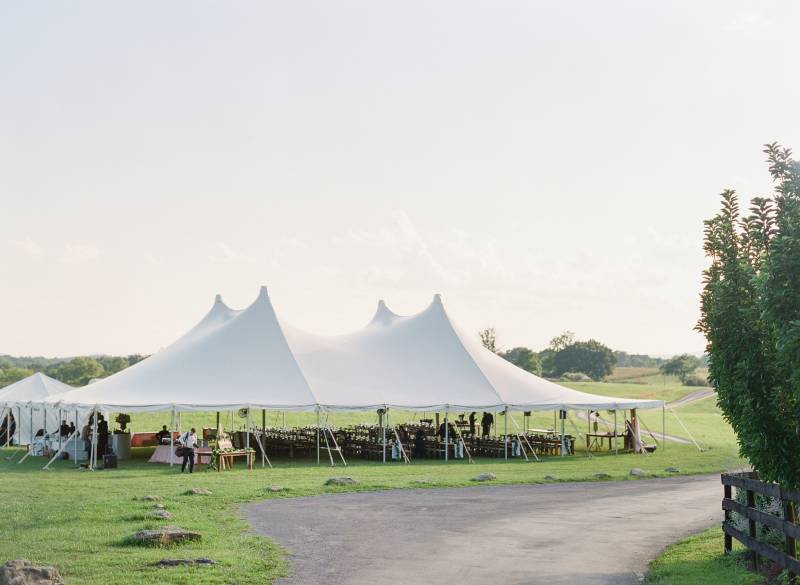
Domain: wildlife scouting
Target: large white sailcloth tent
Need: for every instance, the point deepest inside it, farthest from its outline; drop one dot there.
(250, 359)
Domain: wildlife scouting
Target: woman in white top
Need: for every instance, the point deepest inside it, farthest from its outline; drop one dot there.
(188, 442)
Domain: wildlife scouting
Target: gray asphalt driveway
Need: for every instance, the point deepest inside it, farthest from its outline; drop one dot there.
(554, 534)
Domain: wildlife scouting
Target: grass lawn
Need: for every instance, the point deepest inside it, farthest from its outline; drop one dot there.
(79, 521)
(699, 560)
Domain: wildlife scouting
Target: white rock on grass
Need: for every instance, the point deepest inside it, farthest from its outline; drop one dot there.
(341, 481)
(164, 536)
(638, 472)
(602, 475)
(199, 491)
(672, 470)
(550, 477)
(488, 476)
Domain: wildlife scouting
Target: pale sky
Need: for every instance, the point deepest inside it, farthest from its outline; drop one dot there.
(545, 166)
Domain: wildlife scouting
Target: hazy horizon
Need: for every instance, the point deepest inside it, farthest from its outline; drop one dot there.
(544, 167)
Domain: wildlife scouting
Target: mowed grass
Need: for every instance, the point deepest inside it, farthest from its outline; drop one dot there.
(80, 521)
(699, 560)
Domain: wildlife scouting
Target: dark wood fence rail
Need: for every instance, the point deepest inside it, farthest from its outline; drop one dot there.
(749, 482)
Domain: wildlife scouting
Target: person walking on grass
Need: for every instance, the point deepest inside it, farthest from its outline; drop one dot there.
(188, 442)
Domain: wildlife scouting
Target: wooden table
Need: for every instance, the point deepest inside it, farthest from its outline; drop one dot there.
(225, 460)
(597, 443)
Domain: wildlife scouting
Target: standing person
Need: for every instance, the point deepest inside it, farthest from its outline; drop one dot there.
(487, 420)
(102, 435)
(472, 418)
(188, 442)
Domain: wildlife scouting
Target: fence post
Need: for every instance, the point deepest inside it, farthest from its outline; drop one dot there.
(751, 503)
(789, 516)
(728, 538)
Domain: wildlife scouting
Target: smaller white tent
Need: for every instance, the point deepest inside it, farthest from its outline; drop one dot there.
(28, 402)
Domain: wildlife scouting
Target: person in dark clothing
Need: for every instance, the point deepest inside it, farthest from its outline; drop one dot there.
(64, 428)
(472, 423)
(441, 432)
(162, 434)
(71, 429)
(419, 444)
(102, 435)
(487, 420)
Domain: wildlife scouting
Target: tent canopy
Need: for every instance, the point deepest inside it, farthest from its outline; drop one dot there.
(30, 402)
(249, 358)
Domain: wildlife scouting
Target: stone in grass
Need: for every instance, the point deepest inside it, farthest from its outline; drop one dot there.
(275, 488)
(198, 491)
(184, 562)
(638, 472)
(550, 478)
(165, 536)
(341, 481)
(162, 514)
(23, 572)
(672, 470)
(158, 507)
(488, 476)
(602, 475)
(151, 498)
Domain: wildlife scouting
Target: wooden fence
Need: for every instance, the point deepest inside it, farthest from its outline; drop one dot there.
(749, 482)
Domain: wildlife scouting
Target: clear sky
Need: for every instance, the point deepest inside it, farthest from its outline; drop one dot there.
(543, 165)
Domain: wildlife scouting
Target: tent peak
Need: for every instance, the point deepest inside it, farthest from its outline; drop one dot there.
(262, 292)
(218, 298)
(437, 299)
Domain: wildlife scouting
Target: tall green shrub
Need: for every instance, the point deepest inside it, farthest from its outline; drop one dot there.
(751, 319)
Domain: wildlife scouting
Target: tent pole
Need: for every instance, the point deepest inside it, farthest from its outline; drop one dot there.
(317, 435)
(30, 427)
(616, 451)
(218, 430)
(76, 438)
(383, 417)
(663, 426)
(505, 434)
(60, 438)
(171, 437)
(263, 435)
(247, 430)
(562, 414)
(446, 435)
(93, 453)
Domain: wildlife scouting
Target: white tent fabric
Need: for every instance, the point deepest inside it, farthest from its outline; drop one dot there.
(28, 400)
(235, 359)
(425, 362)
(231, 359)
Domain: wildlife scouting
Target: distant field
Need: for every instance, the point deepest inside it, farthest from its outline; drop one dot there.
(632, 374)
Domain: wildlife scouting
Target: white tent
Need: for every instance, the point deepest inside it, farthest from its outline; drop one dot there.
(237, 359)
(28, 401)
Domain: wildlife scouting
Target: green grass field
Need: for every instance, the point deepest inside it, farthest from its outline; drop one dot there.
(698, 560)
(79, 521)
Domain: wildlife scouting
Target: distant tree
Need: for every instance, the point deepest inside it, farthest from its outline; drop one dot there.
(489, 339)
(681, 366)
(546, 358)
(135, 358)
(524, 358)
(588, 357)
(78, 371)
(637, 360)
(13, 374)
(750, 316)
(113, 364)
(563, 340)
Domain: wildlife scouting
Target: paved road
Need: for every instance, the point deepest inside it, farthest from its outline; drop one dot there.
(555, 534)
(691, 397)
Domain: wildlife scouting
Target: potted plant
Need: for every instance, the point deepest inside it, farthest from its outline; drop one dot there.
(121, 439)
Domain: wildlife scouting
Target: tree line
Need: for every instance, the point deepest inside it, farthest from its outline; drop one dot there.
(76, 371)
(566, 357)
